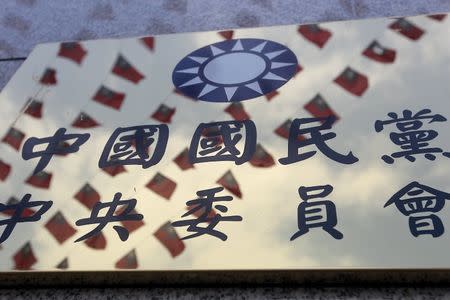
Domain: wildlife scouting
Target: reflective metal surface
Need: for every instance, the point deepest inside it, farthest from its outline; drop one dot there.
(371, 196)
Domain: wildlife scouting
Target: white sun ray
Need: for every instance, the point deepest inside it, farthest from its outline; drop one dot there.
(195, 80)
(198, 59)
(230, 91)
(259, 48)
(238, 46)
(216, 51)
(206, 89)
(190, 70)
(254, 86)
(276, 65)
(274, 54)
(272, 76)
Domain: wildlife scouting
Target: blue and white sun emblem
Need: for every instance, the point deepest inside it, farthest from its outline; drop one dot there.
(234, 70)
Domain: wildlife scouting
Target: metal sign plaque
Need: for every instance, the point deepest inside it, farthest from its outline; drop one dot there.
(283, 148)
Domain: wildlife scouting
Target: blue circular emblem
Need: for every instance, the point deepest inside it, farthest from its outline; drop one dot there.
(234, 70)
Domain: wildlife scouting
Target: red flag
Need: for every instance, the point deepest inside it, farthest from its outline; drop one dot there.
(315, 34)
(24, 259)
(114, 170)
(163, 113)
(14, 138)
(261, 158)
(27, 212)
(407, 29)
(49, 77)
(237, 111)
(124, 69)
(73, 51)
(130, 225)
(378, 53)
(5, 169)
(149, 41)
(34, 108)
(438, 17)
(352, 81)
(40, 180)
(182, 160)
(60, 228)
(271, 95)
(167, 235)
(319, 108)
(84, 121)
(88, 196)
(162, 185)
(97, 242)
(227, 34)
(64, 264)
(109, 97)
(129, 261)
(229, 182)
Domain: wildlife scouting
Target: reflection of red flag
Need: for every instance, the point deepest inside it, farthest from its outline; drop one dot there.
(182, 160)
(149, 41)
(438, 17)
(319, 108)
(237, 111)
(49, 77)
(315, 34)
(34, 108)
(61, 146)
(40, 180)
(109, 97)
(352, 81)
(227, 34)
(64, 264)
(60, 228)
(4, 170)
(114, 170)
(167, 235)
(27, 212)
(84, 121)
(14, 138)
(162, 185)
(407, 29)
(283, 129)
(129, 261)
(298, 69)
(378, 53)
(261, 158)
(198, 213)
(125, 70)
(73, 51)
(130, 225)
(24, 258)
(163, 113)
(97, 242)
(88, 196)
(229, 182)
(176, 91)
(213, 132)
(271, 95)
